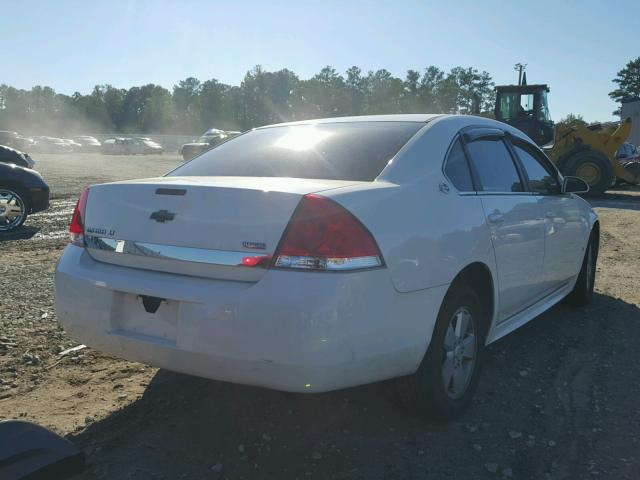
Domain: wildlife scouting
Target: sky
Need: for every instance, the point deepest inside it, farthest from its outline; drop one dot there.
(576, 47)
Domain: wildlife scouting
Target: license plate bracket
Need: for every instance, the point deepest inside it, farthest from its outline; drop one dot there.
(145, 315)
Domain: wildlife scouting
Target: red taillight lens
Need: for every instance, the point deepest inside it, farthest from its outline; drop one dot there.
(322, 235)
(76, 229)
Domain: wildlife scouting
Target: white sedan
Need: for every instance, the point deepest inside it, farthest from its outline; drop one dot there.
(324, 254)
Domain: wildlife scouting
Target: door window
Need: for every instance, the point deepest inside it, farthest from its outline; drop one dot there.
(541, 179)
(494, 166)
(526, 105)
(457, 169)
(508, 106)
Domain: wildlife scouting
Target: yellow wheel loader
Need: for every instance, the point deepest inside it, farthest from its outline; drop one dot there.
(587, 152)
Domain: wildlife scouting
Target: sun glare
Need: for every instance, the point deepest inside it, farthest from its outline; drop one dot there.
(302, 138)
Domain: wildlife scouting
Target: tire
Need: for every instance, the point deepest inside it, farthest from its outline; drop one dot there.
(582, 293)
(424, 393)
(593, 167)
(12, 201)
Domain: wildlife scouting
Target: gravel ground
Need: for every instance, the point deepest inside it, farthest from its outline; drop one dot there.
(557, 399)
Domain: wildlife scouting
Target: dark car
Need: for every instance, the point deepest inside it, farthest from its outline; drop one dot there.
(22, 192)
(210, 139)
(11, 155)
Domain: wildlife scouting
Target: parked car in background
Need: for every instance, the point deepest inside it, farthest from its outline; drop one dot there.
(22, 192)
(628, 152)
(146, 146)
(88, 143)
(75, 146)
(13, 139)
(11, 155)
(51, 145)
(107, 147)
(130, 146)
(207, 141)
(319, 255)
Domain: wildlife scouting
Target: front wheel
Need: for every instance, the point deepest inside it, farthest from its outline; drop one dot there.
(446, 380)
(13, 209)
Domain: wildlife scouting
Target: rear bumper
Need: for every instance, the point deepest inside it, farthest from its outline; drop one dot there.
(291, 331)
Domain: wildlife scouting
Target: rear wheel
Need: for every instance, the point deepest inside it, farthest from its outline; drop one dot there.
(447, 378)
(582, 292)
(593, 167)
(13, 208)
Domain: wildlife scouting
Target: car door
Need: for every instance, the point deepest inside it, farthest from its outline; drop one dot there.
(566, 225)
(513, 218)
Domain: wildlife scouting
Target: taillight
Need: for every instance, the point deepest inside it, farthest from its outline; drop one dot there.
(76, 229)
(323, 235)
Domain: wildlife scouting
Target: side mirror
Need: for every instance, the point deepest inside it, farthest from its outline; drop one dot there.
(574, 185)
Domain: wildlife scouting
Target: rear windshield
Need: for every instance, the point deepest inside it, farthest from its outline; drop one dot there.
(336, 151)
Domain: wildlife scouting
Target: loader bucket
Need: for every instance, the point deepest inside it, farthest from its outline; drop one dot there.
(622, 173)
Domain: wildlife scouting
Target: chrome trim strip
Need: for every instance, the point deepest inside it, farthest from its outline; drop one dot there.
(170, 252)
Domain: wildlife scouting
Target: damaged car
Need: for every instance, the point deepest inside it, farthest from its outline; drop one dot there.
(320, 255)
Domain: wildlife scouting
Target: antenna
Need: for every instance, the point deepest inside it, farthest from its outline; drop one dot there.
(520, 67)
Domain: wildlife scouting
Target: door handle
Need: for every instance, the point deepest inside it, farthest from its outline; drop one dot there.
(495, 217)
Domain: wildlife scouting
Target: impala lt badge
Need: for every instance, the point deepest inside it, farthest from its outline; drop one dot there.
(255, 245)
(162, 216)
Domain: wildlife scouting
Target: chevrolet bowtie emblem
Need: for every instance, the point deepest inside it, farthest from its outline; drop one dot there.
(162, 216)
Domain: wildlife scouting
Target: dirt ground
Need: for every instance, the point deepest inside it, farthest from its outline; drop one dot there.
(558, 399)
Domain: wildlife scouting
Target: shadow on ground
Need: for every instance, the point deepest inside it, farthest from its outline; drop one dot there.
(620, 198)
(539, 413)
(22, 233)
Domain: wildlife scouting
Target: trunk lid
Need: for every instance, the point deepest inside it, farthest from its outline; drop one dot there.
(213, 227)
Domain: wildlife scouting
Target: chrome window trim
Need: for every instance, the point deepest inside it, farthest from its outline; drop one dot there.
(226, 258)
(505, 193)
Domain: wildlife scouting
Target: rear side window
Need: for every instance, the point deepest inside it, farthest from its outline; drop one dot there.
(541, 180)
(335, 151)
(494, 166)
(457, 169)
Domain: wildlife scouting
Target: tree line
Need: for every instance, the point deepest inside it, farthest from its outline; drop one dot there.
(262, 97)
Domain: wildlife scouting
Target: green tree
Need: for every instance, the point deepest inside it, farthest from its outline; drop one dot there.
(628, 80)
(384, 93)
(187, 108)
(574, 120)
(355, 89)
(263, 97)
(429, 89)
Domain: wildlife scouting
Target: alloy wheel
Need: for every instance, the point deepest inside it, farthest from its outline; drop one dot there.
(459, 357)
(12, 210)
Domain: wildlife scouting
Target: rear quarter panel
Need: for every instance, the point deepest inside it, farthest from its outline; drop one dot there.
(426, 236)
(427, 231)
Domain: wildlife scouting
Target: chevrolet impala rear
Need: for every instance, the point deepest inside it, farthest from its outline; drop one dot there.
(326, 254)
(249, 264)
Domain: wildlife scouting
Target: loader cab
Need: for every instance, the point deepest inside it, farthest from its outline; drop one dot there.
(525, 107)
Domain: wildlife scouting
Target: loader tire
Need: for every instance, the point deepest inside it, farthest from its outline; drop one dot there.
(593, 167)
